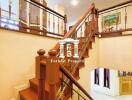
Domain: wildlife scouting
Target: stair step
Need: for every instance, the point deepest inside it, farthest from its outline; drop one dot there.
(93, 39)
(76, 74)
(90, 45)
(28, 94)
(34, 85)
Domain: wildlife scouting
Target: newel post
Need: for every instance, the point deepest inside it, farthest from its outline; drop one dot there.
(0, 11)
(41, 73)
(52, 72)
(93, 20)
(96, 20)
(65, 24)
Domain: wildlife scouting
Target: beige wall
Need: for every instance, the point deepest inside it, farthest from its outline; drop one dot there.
(116, 53)
(17, 58)
(18, 51)
(90, 63)
(112, 53)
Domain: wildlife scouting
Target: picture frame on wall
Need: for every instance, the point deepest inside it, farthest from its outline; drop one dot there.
(111, 20)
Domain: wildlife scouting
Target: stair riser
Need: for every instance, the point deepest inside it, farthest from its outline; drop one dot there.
(33, 86)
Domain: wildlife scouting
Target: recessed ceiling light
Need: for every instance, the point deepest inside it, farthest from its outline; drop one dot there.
(74, 2)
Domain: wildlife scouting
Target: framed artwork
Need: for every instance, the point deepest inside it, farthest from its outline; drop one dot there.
(112, 19)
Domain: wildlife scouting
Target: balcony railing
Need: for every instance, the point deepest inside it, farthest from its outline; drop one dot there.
(33, 17)
(115, 19)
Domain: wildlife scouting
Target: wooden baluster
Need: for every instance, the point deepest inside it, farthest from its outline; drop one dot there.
(58, 25)
(0, 16)
(0, 12)
(38, 24)
(53, 24)
(40, 74)
(10, 2)
(102, 24)
(37, 21)
(65, 24)
(62, 27)
(96, 20)
(125, 17)
(49, 22)
(28, 23)
(92, 20)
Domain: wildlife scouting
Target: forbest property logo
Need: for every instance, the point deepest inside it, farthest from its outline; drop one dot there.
(66, 48)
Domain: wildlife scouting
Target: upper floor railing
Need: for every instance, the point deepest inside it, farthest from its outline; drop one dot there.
(32, 17)
(116, 18)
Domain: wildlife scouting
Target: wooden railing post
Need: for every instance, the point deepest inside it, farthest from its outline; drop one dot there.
(96, 19)
(41, 74)
(0, 12)
(65, 24)
(10, 2)
(52, 72)
(0, 16)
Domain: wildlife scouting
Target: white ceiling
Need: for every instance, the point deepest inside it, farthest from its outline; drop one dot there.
(75, 12)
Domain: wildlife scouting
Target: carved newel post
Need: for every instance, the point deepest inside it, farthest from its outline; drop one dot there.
(52, 72)
(41, 73)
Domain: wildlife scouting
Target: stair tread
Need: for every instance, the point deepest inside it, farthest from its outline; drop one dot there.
(28, 94)
(35, 82)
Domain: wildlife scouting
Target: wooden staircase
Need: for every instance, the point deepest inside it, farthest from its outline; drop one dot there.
(31, 93)
(47, 85)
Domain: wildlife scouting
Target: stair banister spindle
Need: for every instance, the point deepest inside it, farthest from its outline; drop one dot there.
(125, 17)
(58, 25)
(0, 11)
(96, 19)
(49, 22)
(10, 8)
(0, 15)
(65, 24)
(53, 24)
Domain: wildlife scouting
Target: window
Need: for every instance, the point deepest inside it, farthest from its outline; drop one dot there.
(96, 76)
(106, 78)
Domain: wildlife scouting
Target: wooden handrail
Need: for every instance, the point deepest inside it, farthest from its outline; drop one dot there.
(112, 7)
(76, 25)
(69, 76)
(122, 30)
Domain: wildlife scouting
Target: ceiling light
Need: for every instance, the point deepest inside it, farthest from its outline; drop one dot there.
(74, 2)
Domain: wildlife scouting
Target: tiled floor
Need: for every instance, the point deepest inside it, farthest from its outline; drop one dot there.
(99, 96)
